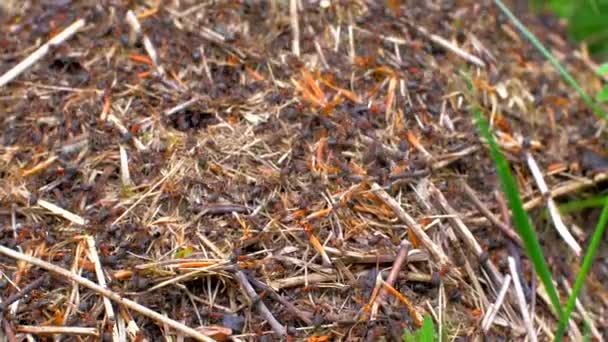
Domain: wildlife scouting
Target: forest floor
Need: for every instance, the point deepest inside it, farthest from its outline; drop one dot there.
(252, 171)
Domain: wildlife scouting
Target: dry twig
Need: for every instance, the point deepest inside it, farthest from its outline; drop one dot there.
(106, 293)
(41, 52)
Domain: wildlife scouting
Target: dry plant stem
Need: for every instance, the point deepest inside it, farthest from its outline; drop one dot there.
(56, 210)
(181, 106)
(400, 260)
(94, 257)
(521, 300)
(107, 293)
(41, 52)
(488, 319)
(124, 167)
(425, 240)
(135, 26)
(295, 27)
(142, 197)
(567, 188)
(561, 190)
(488, 214)
(448, 45)
(124, 131)
(57, 330)
(276, 326)
(316, 278)
(553, 211)
(466, 235)
(414, 255)
(304, 316)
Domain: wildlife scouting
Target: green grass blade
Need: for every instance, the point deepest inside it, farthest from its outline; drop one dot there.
(596, 239)
(520, 217)
(582, 204)
(556, 64)
(426, 333)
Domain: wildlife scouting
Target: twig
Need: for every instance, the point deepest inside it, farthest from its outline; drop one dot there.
(107, 293)
(487, 320)
(222, 209)
(41, 52)
(452, 47)
(414, 314)
(182, 106)
(553, 211)
(424, 239)
(136, 27)
(57, 330)
(521, 300)
(125, 132)
(567, 188)
(488, 214)
(466, 235)
(141, 198)
(124, 167)
(262, 309)
(304, 316)
(316, 278)
(295, 27)
(94, 257)
(400, 260)
(56, 210)
(414, 255)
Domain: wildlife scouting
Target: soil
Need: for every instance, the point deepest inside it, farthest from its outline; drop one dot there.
(243, 159)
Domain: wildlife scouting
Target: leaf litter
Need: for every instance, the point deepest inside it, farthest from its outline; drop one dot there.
(283, 170)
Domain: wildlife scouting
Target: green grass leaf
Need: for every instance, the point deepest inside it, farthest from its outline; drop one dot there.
(426, 333)
(520, 217)
(603, 70)
(596, 240)
(602, 96)
(582, 204)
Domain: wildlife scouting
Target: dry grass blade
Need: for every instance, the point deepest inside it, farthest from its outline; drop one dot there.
(301, 143)
(41, 52)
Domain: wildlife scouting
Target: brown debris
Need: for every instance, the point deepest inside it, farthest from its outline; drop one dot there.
(289, 169)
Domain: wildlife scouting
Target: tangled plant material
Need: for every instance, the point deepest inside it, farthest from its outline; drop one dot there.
(284, 169)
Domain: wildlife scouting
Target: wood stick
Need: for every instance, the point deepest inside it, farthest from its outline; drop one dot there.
(449, 46)
(295, 27)
(553, 211)
(316, 278)
(488, 214)
(400, 260)
(521, 300)
(57, 330)
(107, 293)
(136, 27)
(262, 308)
(435, 251)
(41, 52)
(306, 317)
(487, 320)
(94, 257)
(465, 234)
